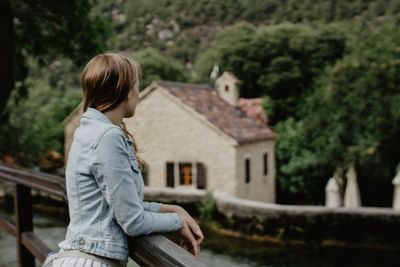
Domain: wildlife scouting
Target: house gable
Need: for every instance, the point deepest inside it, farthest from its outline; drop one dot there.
(196, 115)
(233, 121)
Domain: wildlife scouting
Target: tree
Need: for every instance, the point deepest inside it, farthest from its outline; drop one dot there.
(45, 30)
(155, 66)
(351, 116)
(280, 61)
(28, 135)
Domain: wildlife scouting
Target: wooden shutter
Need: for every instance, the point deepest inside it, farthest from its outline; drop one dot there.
(201, 176)
(247, 163)
(170, 174)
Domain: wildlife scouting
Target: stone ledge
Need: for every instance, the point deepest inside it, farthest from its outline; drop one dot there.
(174, 195)
(312, 224)
(249, 208)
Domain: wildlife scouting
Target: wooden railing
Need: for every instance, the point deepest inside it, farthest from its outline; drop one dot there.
(151, 250)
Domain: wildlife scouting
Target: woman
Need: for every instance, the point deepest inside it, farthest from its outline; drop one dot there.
(104, 183)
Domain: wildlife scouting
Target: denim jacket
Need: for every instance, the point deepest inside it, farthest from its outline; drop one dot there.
(105, 191)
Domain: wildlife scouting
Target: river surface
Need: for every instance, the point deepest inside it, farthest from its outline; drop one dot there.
(219, 250)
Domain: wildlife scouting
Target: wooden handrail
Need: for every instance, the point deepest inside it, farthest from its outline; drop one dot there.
(50, 184)
(151, 250)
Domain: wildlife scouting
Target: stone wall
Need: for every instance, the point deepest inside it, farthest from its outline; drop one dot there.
(312, 224)
(261, 187)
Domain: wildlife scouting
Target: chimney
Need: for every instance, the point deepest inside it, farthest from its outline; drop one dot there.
(228, 88)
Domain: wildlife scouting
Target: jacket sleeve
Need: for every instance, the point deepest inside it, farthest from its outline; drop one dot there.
(151, 206)
(115, 176)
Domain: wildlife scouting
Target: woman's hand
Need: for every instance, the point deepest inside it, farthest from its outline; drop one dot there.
(191, 223)
(185, 237)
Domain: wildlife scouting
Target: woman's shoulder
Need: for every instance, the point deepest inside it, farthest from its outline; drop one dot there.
(112, 136)
(113, 132)
(94, 133)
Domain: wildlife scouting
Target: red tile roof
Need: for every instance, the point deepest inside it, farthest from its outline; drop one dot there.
(253, 108)
(231, 120)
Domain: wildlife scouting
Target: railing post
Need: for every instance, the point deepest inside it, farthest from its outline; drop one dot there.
(24, 223)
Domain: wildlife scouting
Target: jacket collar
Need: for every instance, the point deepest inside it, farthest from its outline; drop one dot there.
(92, 113)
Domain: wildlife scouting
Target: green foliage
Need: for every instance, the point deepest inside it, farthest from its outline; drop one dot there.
(155, 66)
(45, 30)
(206, 209)
(65, 28)
(301, 174)
(279, 61)
(204, 65)
(351, 116)
(145, 19)
(36, 122)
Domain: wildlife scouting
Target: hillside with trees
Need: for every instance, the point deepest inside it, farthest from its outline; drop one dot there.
(327, 70)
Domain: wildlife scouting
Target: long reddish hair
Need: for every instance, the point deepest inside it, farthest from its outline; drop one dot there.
(106, 81)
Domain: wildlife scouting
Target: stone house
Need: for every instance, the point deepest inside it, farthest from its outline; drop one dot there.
(196, 137)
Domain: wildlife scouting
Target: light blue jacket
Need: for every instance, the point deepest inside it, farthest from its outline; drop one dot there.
(105, 191)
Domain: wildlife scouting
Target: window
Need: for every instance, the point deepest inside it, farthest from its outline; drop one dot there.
(226, 88)
(186, 174)
(265, 159)
(247, 167)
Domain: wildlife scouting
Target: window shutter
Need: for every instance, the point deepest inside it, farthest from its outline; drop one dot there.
(201, 176)
(170, 174)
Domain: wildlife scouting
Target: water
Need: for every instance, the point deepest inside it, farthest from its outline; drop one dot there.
(221, 251)
(250, 253)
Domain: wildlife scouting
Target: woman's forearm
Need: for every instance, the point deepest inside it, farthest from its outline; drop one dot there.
(166, 208)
